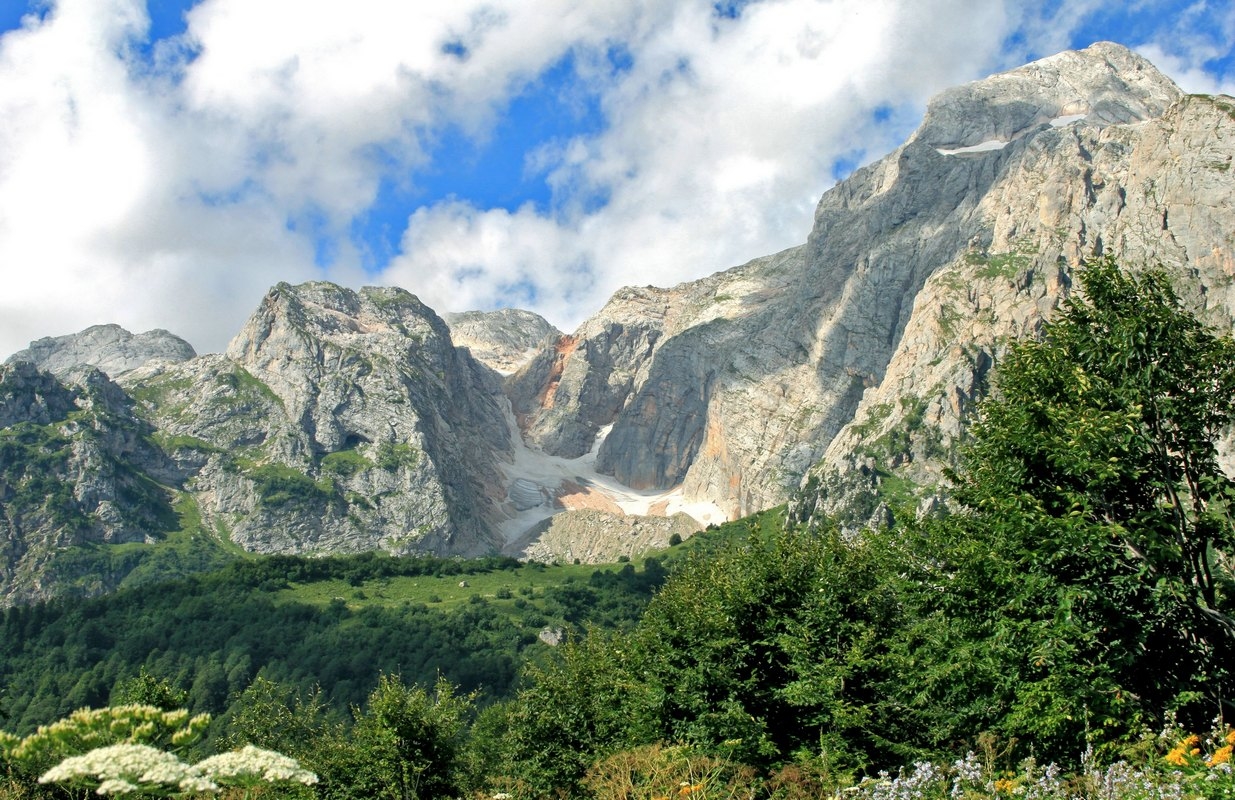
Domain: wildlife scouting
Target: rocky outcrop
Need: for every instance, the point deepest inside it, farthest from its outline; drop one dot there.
(1145, 176)
(108, 348)
(31, 396)
(867, 346)
(590, 536)
(337, 421)
(76, 469)
(502, 340)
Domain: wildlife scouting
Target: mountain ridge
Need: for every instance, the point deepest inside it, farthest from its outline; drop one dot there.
(838, 374)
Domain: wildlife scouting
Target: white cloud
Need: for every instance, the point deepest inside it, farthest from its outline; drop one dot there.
(171, 190)
(722, 136)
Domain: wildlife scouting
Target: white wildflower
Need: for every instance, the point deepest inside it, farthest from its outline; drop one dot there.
(254, 763)
(120, 766)
(116, 786)
(966, 772)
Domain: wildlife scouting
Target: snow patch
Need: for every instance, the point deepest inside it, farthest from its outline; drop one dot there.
(984, 147)
(1059, 122)
(533, 470)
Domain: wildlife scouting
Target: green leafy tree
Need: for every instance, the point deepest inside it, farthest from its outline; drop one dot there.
(409, 741)
(572, 709)
(764, 649)
(146, 689)
(1094, 476)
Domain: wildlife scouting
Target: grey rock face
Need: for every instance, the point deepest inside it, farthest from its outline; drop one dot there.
(338, 421)
(108, 348)
(1157, 192)
(28, 394)
(1104, 84)
(502, 340)
(594, 537)
(76, 468)
(873, 340)
(577, 384)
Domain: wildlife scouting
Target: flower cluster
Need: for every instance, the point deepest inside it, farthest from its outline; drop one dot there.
(1181, 755)
(139, 768)
(128, 768)
(1223, 754)
(1188, 753)
(252, 765)
(925, 780)
(90, 728)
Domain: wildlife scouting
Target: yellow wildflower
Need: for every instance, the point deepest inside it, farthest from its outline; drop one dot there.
(1177, 757)
(1005, 785)
(690, 788)
(1221, 756)
(1230, 737)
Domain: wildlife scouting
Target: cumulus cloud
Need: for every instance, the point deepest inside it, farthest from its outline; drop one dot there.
(169, 184)
(1193, 44)
(722, 135)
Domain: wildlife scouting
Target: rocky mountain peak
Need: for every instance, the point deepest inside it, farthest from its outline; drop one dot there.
(1103, 84)
(291, 318)
(503, 340)
(109, 348)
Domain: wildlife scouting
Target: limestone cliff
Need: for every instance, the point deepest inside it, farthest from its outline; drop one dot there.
(338, 421)
(866, 346)
(502, 340)
(77, 470)
(1085, 173)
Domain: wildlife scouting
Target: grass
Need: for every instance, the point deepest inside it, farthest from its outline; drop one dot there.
(512, 590)
(345, 462)
(442, 592)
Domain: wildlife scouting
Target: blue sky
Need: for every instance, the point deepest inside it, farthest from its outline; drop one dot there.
(162, 165)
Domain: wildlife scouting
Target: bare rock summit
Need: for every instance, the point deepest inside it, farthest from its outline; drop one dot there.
(109, 348)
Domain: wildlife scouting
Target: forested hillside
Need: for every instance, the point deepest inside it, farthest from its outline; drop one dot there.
(333, 623)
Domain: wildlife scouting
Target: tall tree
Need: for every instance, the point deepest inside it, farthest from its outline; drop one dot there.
(1101, 440)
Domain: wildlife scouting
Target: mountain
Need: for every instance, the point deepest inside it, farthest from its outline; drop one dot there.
(337, 421)
(109, 348)
(503, 340)
(838, 374)
(857, 355)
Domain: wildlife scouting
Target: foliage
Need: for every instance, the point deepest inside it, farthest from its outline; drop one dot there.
(751, 655)
(297, 621)
(1094, 470)
(345, 462)
(146, 689)
(88, 729)
(573, 710)
(662, 772)
(391, 456)
(280, 485)
(408, 741)
(751, 647)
